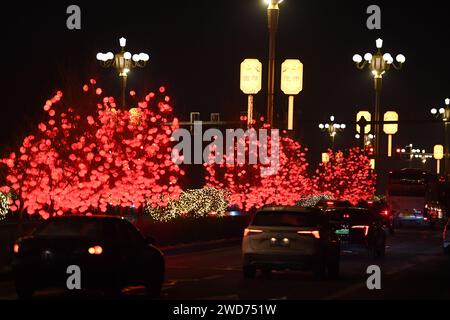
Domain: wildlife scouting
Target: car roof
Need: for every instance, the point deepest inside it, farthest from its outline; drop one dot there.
(82, 217)
(354, 209)
(288, 209)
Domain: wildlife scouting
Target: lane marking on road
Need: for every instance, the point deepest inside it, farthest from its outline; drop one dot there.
(227, 297)
(358, 286)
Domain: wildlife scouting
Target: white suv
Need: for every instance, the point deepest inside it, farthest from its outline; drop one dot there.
(292, 238)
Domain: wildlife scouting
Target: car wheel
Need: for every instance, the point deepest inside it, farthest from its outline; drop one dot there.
(320, 271)
(379, 251)
(154, 289)
(447, 250)
(155, 283)
(249, 272)
(267, 273)
(24, 291)
(333, 269)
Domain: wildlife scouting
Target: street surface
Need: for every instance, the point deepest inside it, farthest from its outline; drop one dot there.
(414, 268)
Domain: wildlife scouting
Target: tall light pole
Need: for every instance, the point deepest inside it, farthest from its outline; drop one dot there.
(123, 61)
(332, 129)
(378, 64)
(273, 12)
(444, 113)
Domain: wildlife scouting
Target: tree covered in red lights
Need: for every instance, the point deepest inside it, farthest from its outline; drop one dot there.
(348, 176)
(250, 188)
(83, 163)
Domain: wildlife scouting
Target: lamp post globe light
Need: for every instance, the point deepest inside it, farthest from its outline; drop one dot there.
(378, 63)
(444, 114)
(332, 128)
(273, 12)
(123, 61)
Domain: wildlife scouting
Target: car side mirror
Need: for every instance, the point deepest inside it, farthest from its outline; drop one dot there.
(150, 240)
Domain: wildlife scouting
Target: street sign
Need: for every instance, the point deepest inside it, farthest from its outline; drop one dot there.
(438, 152)
(390, 128)
(251, 76)
(292, 77)
(368, 117)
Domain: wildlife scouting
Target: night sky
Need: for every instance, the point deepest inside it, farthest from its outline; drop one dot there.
(196, 48)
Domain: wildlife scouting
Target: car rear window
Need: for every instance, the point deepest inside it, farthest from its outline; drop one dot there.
(354, 216)
(286, 219)
(71, 228)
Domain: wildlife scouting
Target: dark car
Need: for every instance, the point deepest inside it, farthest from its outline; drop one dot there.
(324, 204)
(382, 209)
(358, 229)
(109, 251)
(292, 238)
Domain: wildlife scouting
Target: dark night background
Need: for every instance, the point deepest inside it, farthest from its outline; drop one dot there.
(196, 48)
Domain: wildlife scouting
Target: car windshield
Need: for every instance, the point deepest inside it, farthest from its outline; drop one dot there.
(286, 219)
(82, 228)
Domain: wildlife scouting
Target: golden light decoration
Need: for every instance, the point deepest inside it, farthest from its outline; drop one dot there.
(135, 116)
(195, 203)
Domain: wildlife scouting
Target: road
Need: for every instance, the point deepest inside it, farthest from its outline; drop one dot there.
(414, 268)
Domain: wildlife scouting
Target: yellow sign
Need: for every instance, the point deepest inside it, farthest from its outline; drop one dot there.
(368, 117)
(251, 76)
(292, 77)
(438, 152)
(390, 128)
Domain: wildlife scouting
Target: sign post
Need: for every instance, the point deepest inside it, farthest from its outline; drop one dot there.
(390, 129)
(251, 83)
(291, 84)
(438, 154)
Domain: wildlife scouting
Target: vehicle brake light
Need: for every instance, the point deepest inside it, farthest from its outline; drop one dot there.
(315, 233)
(97, 250)
(366, 229)
(385, 212)
(16, 248)
(250, 231)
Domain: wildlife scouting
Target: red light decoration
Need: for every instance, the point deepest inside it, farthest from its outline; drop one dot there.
(347, 176)
(249, 189)
(85, 88)
(80, 163)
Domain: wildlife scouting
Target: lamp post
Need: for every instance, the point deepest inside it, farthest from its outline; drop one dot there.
(123, 61)
(273, 12)
(444, 113)
(332, 129)
(378, 64)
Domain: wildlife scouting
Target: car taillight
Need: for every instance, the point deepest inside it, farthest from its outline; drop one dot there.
(365, 228)
(251, 231)
(16, 248)
(385, 213)
(97, 250)
(315, 233)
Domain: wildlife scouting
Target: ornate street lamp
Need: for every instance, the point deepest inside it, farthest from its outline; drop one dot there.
(273, 13)
(332, 129)
(123, 61)
(378, 63)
